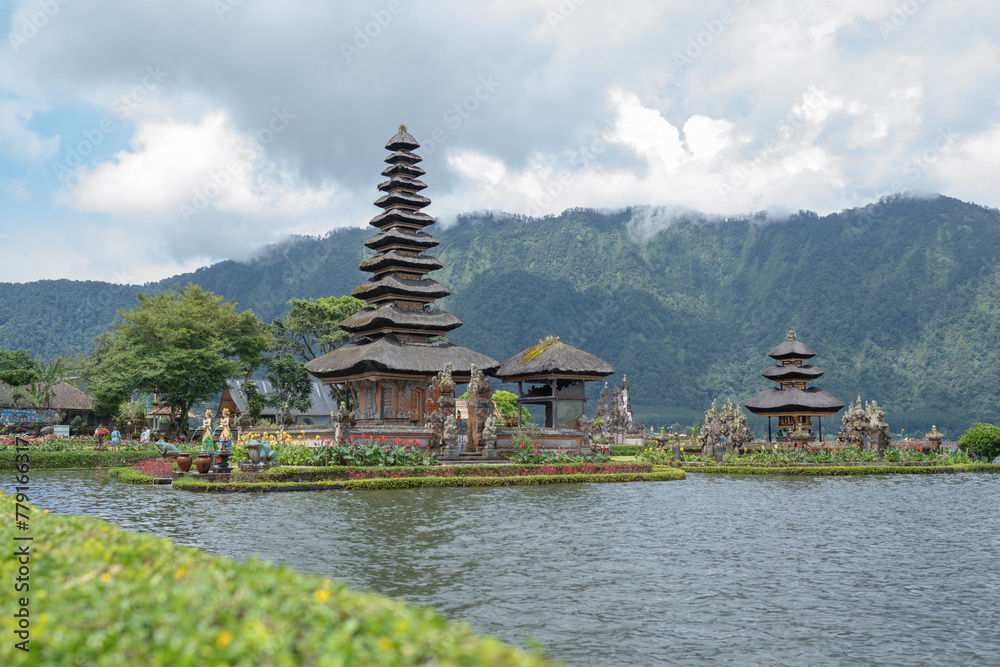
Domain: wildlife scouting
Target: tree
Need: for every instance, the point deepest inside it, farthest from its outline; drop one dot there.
(49, 375)
(183, 345)
(291, 384)
(17, 368)
(506, 403)
(310, 329)
(982, 441)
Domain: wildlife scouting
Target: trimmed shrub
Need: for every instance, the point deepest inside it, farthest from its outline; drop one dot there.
(626, 450)
(130, 476)
(981, 441)
(101, 595)
(78, 459)
(204, 486)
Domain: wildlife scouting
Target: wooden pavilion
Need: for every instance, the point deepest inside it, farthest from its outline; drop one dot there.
(555, 373)
(400, 342)
(792, 402)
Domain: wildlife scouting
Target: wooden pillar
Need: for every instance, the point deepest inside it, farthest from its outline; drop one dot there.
(769, 428)
(520, 393)
(820, 418)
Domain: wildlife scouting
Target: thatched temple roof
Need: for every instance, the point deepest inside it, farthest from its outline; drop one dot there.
(791, 372)
(812, 400)
(791, 348)
(388, 355)
(552, 357)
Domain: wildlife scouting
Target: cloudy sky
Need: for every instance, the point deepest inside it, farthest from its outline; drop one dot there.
(141, 138)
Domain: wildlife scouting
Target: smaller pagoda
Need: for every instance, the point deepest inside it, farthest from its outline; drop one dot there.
(792, 401)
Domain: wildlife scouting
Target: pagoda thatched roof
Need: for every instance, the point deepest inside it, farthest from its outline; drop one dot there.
(396, 260)
(402, 141)
(403, 169)
(401, 198)
(402, 183)
(401, 216)
(792, 372)
(401, 237)
(811, 401)
(390, 286)
(391, 315)
(552, 357)
(389, 355)
(792, 348)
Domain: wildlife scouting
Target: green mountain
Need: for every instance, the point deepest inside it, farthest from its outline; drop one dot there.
(899, 299)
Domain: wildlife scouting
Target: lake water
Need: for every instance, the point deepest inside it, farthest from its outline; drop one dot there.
(897, 569)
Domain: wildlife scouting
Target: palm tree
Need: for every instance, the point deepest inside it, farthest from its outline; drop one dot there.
(49, 375)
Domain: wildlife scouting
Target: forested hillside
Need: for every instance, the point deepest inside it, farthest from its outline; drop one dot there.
(900, 300)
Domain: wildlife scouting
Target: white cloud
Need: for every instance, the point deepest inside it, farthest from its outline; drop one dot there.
(172, 164)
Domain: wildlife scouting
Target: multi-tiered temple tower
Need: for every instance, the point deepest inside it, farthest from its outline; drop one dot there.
(400, 342)
(792, 402)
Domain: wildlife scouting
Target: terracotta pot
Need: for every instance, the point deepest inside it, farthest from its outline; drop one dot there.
(203, 463)
(184, 461)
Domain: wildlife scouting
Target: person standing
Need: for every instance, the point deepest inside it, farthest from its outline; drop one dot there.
(115, 437)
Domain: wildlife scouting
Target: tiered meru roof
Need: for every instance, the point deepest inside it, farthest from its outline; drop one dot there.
(394, 330)
(790, 399)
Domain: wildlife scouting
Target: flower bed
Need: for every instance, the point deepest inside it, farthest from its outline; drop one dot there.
(101, 595)
(232, 486)
(353, 472)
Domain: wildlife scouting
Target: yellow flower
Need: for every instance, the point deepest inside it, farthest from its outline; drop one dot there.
(322, 595)
(105, 577)
(179, 573)
(222, 641)
(385, 643)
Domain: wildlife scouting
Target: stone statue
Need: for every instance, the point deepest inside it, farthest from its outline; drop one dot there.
(166, 448)
(450, 430)
(260, 452)
(206, 440)
(226, 436)
(490, 429)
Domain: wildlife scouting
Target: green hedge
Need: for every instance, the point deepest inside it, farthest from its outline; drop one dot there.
(130, 476)
(204, 486)
(100, 595)
(824, 471)
(88, 459)
(625, 450)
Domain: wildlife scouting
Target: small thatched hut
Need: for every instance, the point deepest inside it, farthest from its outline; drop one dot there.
(556, 373)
